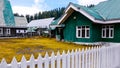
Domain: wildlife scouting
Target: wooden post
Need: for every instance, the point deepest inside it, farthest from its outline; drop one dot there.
(40, 61)
(32, 63)
(46, 60)
(68, 59)
(23, 62)
(72, 59)
(53, 60)
(58, 60)
(63, 60)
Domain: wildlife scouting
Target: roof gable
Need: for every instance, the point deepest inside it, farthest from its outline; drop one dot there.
(89, 13)
(103, 13)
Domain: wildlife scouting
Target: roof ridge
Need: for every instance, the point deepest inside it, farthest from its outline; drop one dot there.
(90, 9)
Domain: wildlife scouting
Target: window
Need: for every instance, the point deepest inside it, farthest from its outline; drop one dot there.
(1, 30)
(25, 31)
(107, 31)
(82, 31)
(21, 31)
(8, 31)
(17, 31)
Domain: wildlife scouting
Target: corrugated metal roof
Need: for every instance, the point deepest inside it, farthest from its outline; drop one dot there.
(41, 23)
(55, 22)
(90, 11)
(109, 9)
(8, 14)
(2, 21)
(21, 21)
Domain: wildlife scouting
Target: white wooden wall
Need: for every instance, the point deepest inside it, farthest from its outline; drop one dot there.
(98, 57)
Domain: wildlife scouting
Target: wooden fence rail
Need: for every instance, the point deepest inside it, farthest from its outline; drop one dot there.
(97, 57)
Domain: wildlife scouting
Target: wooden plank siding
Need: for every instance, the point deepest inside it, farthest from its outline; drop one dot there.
(70, 27)
(69, 30)
(13, 32)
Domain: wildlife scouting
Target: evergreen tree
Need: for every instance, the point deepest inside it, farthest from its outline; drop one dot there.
(28, 18)
(35, 16)
(45, 14)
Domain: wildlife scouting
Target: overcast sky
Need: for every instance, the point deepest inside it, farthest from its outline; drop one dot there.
(34, 6)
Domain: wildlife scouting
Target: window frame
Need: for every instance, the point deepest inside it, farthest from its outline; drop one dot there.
(8, 31)
(111, 29)
(80, 29)
(1, 30)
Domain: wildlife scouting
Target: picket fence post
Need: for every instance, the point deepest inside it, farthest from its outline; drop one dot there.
(40, 61)
(68, 59)
(3, 64)
(23, 62)
(32, 62)
(72, 59)
(83, 58)
(89, 58)
(58, 60)
(46, 60)
(53, 60)
(14, 63)
(79, 55)
(63, 60)
(76, 58)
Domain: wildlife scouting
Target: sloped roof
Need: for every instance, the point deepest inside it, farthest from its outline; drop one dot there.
(106, 10)
(8, 14)
(20, 21)
(55, 22)
(90, 11)
(104, 13)
(42, 23)
(110, 9)
(2, 21)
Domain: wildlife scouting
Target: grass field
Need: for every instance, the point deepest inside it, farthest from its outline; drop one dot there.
(10, 48)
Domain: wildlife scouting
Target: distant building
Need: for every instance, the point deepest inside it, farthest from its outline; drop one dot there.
(9, 25)
(21, 26)
(39, 27)
(54, 27)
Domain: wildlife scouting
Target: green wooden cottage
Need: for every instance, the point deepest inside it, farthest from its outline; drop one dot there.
(100, 23)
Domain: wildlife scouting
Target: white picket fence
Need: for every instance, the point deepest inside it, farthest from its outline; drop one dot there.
(97, 57)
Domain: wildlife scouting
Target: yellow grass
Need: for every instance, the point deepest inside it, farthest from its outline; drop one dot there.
(10, 48)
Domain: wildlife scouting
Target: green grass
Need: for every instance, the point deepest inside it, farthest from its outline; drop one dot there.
(10, 48)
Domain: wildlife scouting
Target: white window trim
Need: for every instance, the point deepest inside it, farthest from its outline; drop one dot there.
(1, 30)
(8, 32)
(109, 31)
(81, 32)
(17, 31)
(86, 32)
(77, 32)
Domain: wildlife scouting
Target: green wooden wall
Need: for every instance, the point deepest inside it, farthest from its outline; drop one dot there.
(69, 30)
